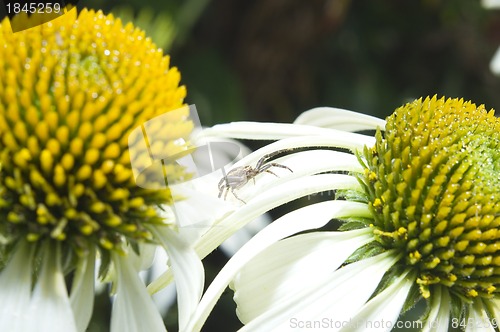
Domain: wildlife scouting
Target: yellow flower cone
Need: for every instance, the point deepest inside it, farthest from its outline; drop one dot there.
(71, 92)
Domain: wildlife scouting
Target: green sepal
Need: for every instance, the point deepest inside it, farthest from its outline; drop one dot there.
(135, 247)
(412, 299)
(354, 223)
(105, 263)
(352, 195)
(458, 309)
(368, 250)
(388, 278)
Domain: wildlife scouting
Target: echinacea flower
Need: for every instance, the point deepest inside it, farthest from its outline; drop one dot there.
(71, 91)
(421, 215)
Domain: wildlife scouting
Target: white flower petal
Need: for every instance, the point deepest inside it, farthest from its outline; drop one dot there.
(278, 131)
(291, 223)
(287, 265)
(160, 282)
(145, 258)
(495, 63)
(192, 223)
(202, 193)
(268, 200)
(82, 291)
(340, 119)
(242, 236)
(316, 142)
(490, 4)
(167, 296)
(15, 289)
(50, 308)
(382, 312)
(478, 319)
(187, 269)
(133, 309)
(336, 297)
(268, 194)
(439, 315)
(302, 165)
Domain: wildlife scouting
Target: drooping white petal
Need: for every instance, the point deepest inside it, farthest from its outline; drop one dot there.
(50, 308)
(144, 259)
(278, 131)
(478, 319)
(160, 282)
(269, 189)
(439, 315)
(287, 265)
(490, 4)
(293, 222)
(495, 63)
(242, 236)
(382, 312)
(340, 119)
(82, 290)
(302, 164)
(166, 297)
(269, 199)
(187, 269)
(269, 192)
(15, 290)
(316, 142)
(202, 193)
(337, 296)
(133, 309)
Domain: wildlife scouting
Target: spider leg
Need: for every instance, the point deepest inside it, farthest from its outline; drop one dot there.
(234, 194)
(281, 166)
(261, 161)
(266, 167)
(222, 181)
(227, 191)
(222, 186)
(268, 171)
(268, 156)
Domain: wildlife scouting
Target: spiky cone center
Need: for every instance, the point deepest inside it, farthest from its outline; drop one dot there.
(71, 91)
(434, 190)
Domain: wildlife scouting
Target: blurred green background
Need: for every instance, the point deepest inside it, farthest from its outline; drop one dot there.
(271, 60)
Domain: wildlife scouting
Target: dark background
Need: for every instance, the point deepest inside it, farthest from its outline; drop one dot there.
(271, 60)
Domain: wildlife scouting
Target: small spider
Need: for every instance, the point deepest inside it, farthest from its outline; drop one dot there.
(239, 176)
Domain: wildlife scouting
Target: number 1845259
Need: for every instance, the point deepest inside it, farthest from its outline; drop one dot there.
(14, 8)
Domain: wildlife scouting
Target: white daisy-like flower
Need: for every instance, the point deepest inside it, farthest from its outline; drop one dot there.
(421, 214)
(72, 91)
